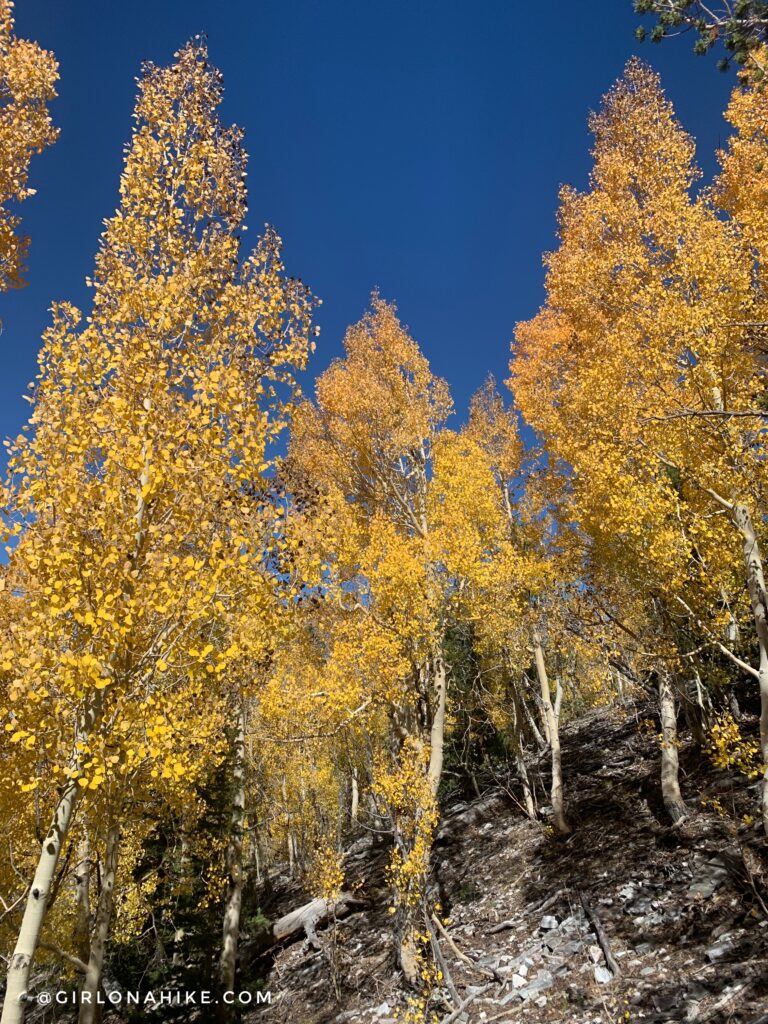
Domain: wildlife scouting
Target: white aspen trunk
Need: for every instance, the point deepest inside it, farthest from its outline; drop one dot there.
(406, 931)
(185, 867)
(90, 1008)
(437, 731)
(541, 742)
(553, 732)
(354, 809)
(759, 600)
(670, 768)
(522, 770)
(256, 855)
(231, 926)
(36, 906)
(82, 935)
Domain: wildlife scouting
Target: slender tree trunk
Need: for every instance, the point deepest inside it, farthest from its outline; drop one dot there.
(525, 781)
(553, 733)
(36, 906)
(670, 767)
(541, 741)
(82, 935)
(354, 808)
(231, 928)
(759, 600)
(437, 731)
(407, 932)
(695, 710)
(519, 755)
(90, 1009)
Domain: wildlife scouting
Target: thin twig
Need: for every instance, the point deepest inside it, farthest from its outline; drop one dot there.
(460, 1009)
(602, 938)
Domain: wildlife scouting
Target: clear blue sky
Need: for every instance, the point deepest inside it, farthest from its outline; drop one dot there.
(411, 144)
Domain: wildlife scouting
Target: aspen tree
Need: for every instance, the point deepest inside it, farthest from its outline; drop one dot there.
(130, 501)
(526, 573)
(367, 444)
(635, 373)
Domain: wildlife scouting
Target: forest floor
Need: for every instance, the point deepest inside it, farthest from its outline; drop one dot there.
(683, 910)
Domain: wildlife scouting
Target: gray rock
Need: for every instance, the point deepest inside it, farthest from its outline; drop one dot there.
(541, 1001)
(709, 873)
(548, 923)
(602, 975)
(595, 954)
(382, 1011)
(654, 919)
(639, 906)
(724, 945)
(695, 990)
(542, 981)
(514, 994)
(518, 981)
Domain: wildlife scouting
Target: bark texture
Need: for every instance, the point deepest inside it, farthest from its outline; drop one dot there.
(234, 899)
(670, 765)
(553, 735)
(90, 1009)
(759, 599)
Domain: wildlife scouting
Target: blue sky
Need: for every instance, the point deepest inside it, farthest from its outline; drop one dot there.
(413, 145)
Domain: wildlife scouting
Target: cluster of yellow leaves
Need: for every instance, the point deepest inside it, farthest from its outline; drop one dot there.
(405, 791)
(28, 75)
(642, 374)
(727, 748)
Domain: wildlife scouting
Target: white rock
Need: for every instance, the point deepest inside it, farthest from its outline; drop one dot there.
(595, 954)
(602, 975)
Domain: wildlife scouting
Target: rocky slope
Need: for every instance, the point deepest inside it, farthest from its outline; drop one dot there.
(535, 922)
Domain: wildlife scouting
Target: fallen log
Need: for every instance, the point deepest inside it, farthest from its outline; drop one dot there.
(602, 938)
(313, 915)
(302, 922)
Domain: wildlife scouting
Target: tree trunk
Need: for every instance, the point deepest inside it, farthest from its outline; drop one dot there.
(82, 934)
(519, 755)
(406, 930)
(695, 710)
(670, 768)
(437, 731)
(553, 734)
(354, 809)
(36, 906)
(90, 1008)
(759, 600)
(231, 928)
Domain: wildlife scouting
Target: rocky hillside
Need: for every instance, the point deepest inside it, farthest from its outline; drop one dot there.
(626, 919)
